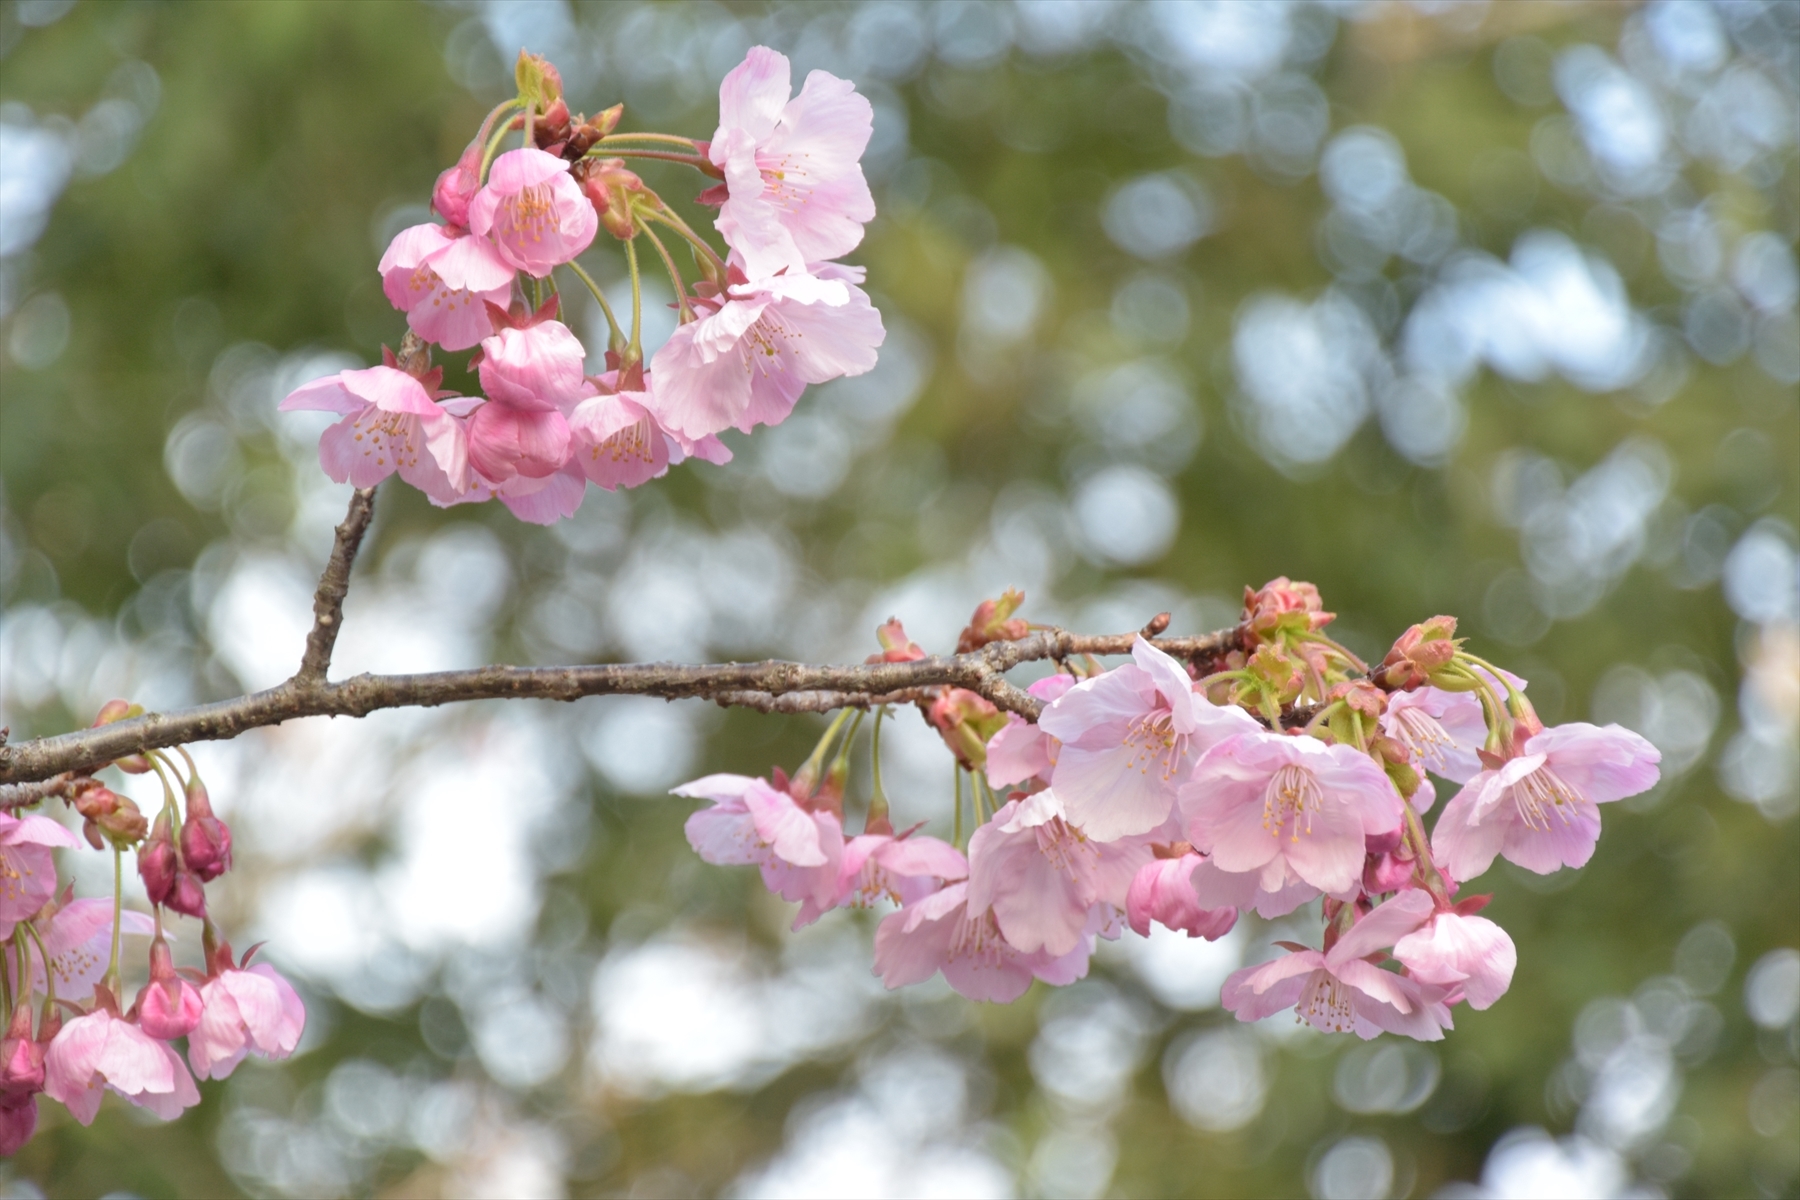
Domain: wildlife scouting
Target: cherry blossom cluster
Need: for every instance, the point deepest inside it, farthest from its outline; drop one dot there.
(68, 1033)
(1282, 772)
(757, 324)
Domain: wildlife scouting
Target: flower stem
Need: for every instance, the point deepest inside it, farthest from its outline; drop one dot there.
(685, 311)
(613, 139)
(669, 217)
(878, 802)
(957, 771)
(1424, 868)
(49, 975)
(618, 335)
(112, 966)
(634, 350)
(493, 148)
(692, 160)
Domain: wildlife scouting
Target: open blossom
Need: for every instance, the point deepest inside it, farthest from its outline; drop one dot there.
(78, 940)
(757, 346)
(616, 440)
(902, 870)
(1129, 739)
(390, 424)
(800, 852)
(101, 1050)
(1442, 732)
(1289, 809)
(534, 211)
(1339, 991)
(1040, 874)
(1540, 809)
(940, 933)
(1471, 956)
(1021, 750)
(443, 280)
(1163, 891)
(248, 1010)
(795, 189)
(27, 868)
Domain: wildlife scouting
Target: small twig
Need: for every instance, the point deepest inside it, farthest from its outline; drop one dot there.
(334, 583)
(24, 795)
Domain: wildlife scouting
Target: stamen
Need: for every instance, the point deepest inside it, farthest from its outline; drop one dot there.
(1152, 738)
(1293, 794)
(1423, 736)
(1325, 1003)
(1541, 793)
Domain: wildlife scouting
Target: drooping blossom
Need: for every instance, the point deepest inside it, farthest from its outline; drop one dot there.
(168, 1006)
(1129, 739)
(940, 933)
(531, 374)
(617, 442)
(1215, 889)
(205, 840)
(1021, 750)
(101, 1050)
(1471, 956)
(246, 1010)
(1288, 808)
(18, 1121)
(21, 1057)
(901, 870)
(1163, 891)
(756, 347)
(795, 188)
(27, 867)
(78, 940)
(1339, 991)
(534, 212)
(443, 280)
(390, 424)
(1540, 809)
(799, 851)
(542, 501)
(1040, 874)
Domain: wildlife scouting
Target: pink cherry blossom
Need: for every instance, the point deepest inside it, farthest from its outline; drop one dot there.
(534, 211)
(796, 192)
(443, 280)
(1215, 889)
(1163, 891)
(78, 939)
(1021, 750)
(101, 1050)
(168, 1006)
(505, 442)
(1289, 808)
(390, 424)
(27, 868)
(1339, 991)
(252, 1010)
(747, 358)
(940, 933)
(535, 367)
(1129, 739)
(800, 852)
(1040, 874)
(543, 501)
(1442, 731)
(617, 442)
(1540, 810)
(901, 870)
(1471, 956)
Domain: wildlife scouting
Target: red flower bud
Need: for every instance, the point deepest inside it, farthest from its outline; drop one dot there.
(188, 896)
(609, 187)
(157, 861)
(205, 840)
(457, 186)
(1283, 604)
(994, 622)
(110, 814)
(895, 645)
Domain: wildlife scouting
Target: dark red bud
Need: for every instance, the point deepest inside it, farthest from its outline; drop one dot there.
(156, 861)
(187, 897)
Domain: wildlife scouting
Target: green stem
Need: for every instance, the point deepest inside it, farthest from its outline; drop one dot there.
(692, 160)
(112, 966)
(493, 147)
(673, 220)
(1423, 866)
(21, 967)
(815, 762)
(957, 772)
(668, 138)
(686, 311)
(634, 350)
(49, 975)
(878, 803)
(618, 335)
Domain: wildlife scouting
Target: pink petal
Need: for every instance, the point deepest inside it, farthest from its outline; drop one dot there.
(753, 93)
(1607, 763)
(1465, 845)
(1388, 923)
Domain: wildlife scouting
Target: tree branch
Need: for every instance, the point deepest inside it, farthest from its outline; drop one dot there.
(334, 583)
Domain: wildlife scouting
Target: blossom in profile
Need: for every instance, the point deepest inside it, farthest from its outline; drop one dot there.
(1040, 875)
(1129, 739)
(795, 191)
(1163, 892)
(755, 347)
(168, 1006)
(1442, 732)
(443, 280)
(940, 933)
(78, 940)
(534, 211)
(390, 423)
(799, 851)
(102, 1051)
(1471, 956)
(1021, 751)
(1541, 809)
(1288, 808)
(27, 867)
(900, 870)
(616, 440)
(248, 1009)
(1339, 990)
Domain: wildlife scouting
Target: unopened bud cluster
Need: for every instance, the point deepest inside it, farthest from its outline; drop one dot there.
(69, 1035)
(757, 324)
(1282, 771)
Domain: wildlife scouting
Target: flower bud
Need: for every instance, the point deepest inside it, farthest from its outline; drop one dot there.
(168, 1006)
(1282, 605)
(110, 814)
(1420, 653)
(21, 1058)
(205, 840)
(994, 622)
(965, 720)
(609, 187)
(123, 710)
(896, 647)
(457, 186)
(157, 861)
(540, 83)
(187, 896)
(551, 130)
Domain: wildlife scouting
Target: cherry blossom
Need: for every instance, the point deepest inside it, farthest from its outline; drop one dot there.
(168, 1006)
(101, 1050)
(1470, 955)
(616, 440)
(27, 867)
(1163, 891)
(1040, 874)
(1130, 738)
(757, 346)
(795, 189)
(1441, 731)
(390, 424)
(534, 211)
(443, 280)
(246, 1010)
(18, 1121)
(800, 852)
(901, 870)
(1540, 809)
(1339, 991)
(1021, 750)
(940, 933)
(78, 940)
(1289, 808)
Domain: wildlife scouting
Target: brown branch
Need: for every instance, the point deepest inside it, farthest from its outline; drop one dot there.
(24, 795)
(334, 583)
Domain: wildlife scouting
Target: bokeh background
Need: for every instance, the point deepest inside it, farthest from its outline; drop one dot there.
(1485, 309)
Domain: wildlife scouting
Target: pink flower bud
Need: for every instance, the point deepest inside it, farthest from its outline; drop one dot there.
(187, 896)
(21, 1059)
(205, 840)
(994, 622)
(896, 647)
(18, 1121)
(111, 815)
(1420, 652)
(965, 720)
(609, 188)
(156, 860)
(168, 1007)
(457, 186)
(1282, 604)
